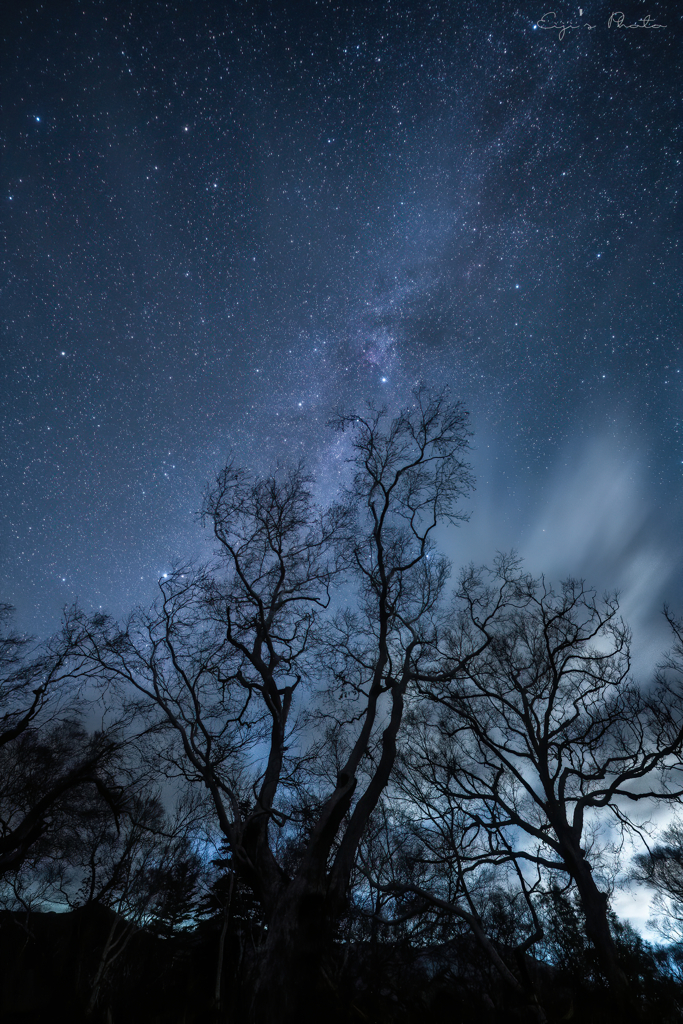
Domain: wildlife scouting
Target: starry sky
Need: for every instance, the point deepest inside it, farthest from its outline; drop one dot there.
(222, 220)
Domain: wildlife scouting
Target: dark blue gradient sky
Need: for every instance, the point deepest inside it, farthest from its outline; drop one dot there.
(221, 220)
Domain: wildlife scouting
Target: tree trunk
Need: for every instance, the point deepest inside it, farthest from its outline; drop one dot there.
(113, 948)
(221, 946)
(595, 904)
(288, 986)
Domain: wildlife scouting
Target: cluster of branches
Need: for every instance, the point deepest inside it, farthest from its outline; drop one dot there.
(48, 759)
(82, 822)
(358, 736)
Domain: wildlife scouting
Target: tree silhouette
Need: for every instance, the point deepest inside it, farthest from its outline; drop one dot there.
(230, 659)
(47, 757)
(542, 735)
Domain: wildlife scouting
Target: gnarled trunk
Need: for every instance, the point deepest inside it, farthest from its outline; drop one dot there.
(288, 985)
(595, 905)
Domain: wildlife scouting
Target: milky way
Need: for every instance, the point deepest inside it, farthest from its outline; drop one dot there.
(224, 220)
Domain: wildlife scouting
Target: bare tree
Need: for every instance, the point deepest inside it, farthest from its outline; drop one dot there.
(142, 869)
(541, 739)
(229, 660)
(432, 869)
(661, 867)
(46, 755)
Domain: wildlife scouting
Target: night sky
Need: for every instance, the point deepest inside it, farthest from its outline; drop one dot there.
(222, 220)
